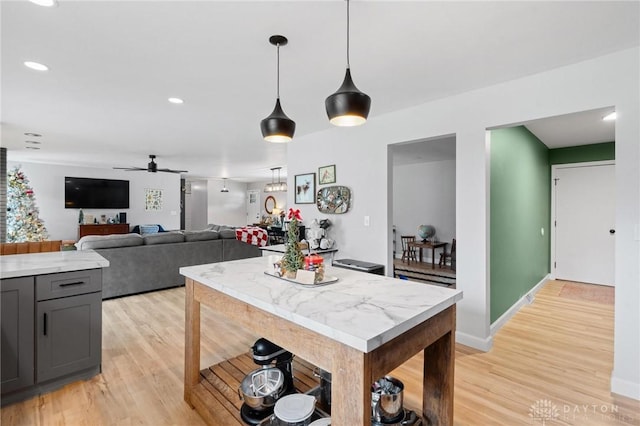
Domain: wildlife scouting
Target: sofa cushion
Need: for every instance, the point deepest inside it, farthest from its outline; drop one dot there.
(163, 238)
(149, 229)
(228, 233)
(108, 241)
(201, 235)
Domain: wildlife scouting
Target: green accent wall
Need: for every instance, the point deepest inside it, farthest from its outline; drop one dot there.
(519, 207)
(583, 153)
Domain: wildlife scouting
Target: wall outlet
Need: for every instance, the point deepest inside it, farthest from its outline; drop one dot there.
(366, 221)
(174, 213)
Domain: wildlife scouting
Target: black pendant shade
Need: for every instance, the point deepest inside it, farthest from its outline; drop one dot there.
(277, 127)
(348, 106)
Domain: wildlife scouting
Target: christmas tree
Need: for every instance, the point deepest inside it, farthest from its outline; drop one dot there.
(23, 223)
(293, 258)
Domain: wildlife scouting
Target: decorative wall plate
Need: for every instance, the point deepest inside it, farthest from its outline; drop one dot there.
(334, 199)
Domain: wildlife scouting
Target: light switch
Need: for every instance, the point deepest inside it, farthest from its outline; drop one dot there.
(542, 231)
(366, 221)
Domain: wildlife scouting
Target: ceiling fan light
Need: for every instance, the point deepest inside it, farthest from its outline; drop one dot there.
(277, 127)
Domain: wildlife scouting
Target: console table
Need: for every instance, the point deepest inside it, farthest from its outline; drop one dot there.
(103, 229)
(377, 326)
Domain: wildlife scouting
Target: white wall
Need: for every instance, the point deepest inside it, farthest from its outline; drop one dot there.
(195, 205)
(47, 182)
(425, 194)
(227, 208)
(364, 166)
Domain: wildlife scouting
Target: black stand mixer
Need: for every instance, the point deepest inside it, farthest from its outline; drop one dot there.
(261, 388)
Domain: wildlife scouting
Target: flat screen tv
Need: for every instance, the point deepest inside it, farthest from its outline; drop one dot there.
(88, 193)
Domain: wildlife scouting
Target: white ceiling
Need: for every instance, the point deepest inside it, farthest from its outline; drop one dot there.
(113, 65)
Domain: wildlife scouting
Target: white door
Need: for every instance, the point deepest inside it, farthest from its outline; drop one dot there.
(585, 223)
(253, 206)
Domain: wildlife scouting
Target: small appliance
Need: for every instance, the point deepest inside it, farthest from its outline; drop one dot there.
(261, 388)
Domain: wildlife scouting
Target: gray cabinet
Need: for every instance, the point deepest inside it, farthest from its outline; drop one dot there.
(51, 332)
(69, 335)
(17, 333)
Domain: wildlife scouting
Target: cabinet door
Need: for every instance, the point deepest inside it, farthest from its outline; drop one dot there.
(69, 335)
(17, 306)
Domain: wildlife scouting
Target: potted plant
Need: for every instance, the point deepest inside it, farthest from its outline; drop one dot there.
(293, 258)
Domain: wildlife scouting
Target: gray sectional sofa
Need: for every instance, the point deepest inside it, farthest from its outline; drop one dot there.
(151, 262)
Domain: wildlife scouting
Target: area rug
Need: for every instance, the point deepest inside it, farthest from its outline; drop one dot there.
(588, 292)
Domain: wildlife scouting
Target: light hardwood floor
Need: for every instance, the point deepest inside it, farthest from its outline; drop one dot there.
(557, 351)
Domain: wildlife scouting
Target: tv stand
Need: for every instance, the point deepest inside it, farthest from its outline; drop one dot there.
(103, 229)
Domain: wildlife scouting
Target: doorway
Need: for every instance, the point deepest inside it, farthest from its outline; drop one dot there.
(583, 213)
(253, 206)
(423, 190)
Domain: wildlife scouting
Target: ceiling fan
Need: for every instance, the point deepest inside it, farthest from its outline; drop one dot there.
(152, 167)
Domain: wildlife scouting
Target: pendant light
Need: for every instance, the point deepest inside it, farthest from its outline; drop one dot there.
(348, 106)
(277, 127)
(224, 186)
(276, 186)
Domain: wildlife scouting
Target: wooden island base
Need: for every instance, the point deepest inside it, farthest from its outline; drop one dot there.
(352, 370)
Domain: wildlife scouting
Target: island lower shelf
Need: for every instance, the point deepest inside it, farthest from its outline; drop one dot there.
(216, 396)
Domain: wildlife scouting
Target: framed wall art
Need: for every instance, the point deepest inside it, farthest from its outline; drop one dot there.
(327, 174)
(153, 199)
(305, 188)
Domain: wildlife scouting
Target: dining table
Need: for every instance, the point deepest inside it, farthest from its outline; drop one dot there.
(427, 245)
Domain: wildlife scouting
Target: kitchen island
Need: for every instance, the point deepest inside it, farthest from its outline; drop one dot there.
(359, 328)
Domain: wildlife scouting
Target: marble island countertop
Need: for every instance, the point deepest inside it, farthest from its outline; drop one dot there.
(22, 265)
(360, 310)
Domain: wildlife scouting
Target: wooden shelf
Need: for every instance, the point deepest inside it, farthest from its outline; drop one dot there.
(216, 396)
(103, 229)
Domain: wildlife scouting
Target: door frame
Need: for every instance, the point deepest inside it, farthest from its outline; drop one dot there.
(554, 168)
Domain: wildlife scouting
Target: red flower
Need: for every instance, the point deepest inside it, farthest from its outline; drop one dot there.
(294, 214)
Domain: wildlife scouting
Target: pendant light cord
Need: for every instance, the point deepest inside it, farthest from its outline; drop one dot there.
(278, 72)
(348, 66)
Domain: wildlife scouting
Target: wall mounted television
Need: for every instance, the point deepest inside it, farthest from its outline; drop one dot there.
(88, 193)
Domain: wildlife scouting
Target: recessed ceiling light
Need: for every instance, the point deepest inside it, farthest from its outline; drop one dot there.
(32, 147)
(36, 66)
(47, 3)
(610, 117)
(33, 142)
(35, 135)
(176, 100)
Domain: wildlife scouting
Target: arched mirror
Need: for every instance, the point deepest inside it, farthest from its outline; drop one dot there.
(269, 204)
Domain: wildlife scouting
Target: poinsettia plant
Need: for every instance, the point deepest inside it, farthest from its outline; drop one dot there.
(294, 214)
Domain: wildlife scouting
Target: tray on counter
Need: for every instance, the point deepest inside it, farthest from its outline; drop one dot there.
(327, 280)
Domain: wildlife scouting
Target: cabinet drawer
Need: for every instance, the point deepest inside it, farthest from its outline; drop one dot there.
(66, 284)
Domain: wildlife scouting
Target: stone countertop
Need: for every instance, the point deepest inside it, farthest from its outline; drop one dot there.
(360, 310)
(22, 265)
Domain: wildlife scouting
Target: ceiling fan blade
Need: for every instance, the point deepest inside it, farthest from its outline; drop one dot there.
(173, 171)
(129, 169)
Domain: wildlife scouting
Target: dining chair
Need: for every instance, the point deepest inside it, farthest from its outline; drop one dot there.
(408, 253)
(451, 255)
